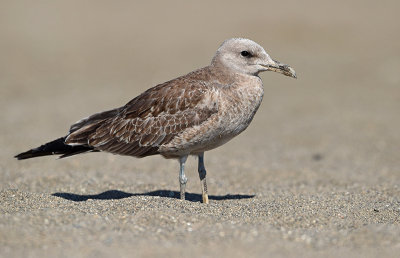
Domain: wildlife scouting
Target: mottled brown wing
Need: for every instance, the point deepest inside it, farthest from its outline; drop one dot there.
(150, 120)
(94, 118)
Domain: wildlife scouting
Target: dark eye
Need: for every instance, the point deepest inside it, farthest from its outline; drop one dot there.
(245, 54)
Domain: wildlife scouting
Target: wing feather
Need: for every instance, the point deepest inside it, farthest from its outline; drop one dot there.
(148, 121)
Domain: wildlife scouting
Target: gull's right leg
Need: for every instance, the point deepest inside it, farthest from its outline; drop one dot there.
(202, 175)
(182, 177)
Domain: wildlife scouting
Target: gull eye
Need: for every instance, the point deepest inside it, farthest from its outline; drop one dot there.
(246, 54)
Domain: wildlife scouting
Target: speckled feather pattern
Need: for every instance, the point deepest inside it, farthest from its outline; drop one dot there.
(188, 115)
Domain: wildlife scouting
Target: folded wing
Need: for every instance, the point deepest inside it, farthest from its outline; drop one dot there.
(150, 120)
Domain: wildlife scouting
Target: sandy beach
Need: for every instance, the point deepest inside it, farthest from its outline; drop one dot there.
(317, 173)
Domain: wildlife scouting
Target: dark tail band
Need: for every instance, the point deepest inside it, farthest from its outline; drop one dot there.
(56, 147)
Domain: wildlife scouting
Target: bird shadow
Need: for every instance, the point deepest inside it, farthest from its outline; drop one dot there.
(116, 195)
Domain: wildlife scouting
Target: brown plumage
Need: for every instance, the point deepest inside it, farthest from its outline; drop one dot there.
(185, 116)
(150, 120)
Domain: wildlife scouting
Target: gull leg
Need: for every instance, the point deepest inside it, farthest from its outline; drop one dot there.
(182, 177)
(202, 175)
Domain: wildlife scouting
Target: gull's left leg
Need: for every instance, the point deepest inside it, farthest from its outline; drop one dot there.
(182, 177)
(202, 175)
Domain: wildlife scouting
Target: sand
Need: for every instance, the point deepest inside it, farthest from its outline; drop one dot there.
(317, 173)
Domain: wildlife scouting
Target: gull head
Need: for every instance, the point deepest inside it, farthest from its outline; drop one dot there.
(247, 57)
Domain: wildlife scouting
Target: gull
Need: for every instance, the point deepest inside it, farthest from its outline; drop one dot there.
(189, 115)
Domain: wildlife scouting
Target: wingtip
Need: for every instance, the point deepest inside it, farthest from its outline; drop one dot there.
(24, 155)
(21, 156)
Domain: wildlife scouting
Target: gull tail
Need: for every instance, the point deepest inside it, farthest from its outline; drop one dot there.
(56, 147)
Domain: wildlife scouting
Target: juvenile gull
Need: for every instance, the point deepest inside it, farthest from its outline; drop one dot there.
(186, 116)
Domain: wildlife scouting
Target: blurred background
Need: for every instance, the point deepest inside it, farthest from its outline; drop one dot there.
(61, 61)
(336, 127)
